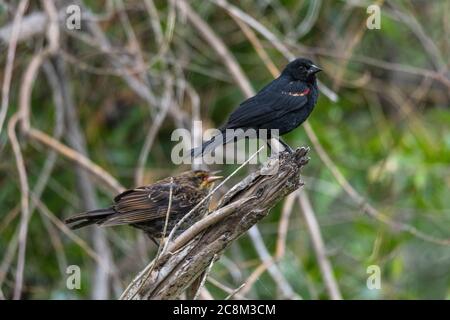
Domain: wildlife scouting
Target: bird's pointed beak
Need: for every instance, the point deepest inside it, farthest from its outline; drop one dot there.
(211, 179)
(313, 69)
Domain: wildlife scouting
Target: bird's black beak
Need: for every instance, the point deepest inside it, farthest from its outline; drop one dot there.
(313, 69)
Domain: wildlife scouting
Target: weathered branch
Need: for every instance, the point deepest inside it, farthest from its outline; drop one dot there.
(189, 255)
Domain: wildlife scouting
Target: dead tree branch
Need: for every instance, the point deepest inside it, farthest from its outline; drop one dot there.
(189, 255)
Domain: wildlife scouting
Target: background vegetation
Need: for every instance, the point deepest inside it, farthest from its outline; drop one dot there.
(377, 183)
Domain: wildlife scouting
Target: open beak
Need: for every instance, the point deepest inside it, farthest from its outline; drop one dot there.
(211, 179)
(313, 69)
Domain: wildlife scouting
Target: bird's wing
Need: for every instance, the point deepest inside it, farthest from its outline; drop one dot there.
(269, 104)
(147, 203)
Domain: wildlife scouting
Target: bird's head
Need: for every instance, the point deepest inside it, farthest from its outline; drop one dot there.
(302, 69)
(203, 179)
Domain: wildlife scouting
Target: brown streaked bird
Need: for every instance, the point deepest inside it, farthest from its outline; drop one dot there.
(146, 207)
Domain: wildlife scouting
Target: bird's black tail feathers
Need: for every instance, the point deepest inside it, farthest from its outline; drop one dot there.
(195, 152)
(216, 141)
(89, 217)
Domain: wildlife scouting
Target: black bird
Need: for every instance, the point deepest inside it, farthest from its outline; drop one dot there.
(283, 104)
(146, 207)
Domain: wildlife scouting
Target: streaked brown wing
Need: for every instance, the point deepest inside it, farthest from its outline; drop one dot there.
(149, 203)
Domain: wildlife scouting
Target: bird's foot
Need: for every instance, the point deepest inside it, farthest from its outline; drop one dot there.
(286, 146)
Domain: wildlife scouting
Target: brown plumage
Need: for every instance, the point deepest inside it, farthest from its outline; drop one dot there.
(146, 207)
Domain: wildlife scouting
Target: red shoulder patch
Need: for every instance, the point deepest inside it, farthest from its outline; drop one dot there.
(297, 94)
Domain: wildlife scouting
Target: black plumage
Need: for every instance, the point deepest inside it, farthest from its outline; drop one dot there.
(283, 104)
(146, 207)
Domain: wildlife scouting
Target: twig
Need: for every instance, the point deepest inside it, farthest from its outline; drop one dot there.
(26, 87)
(268, 260)
(31, 25)
(205, 276)
(10, 60)
(254, 276)
(9, 255)
(9, 217)
(283, 225)
(166, 102)
(280, 247)
(109, 181)
(311, 17)
(155, 22)
(234, 292)
(217, 44)
(52, 25)
(25, 206)
(231, 292)
(69, 233)
(56, 242)
(255, 24)
(169, 207)
(319, 247)
(259, 48)
(427, 42)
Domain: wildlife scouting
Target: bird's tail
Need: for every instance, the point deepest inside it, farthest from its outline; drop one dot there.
(89, 217)
(216, 141)
(205, 147)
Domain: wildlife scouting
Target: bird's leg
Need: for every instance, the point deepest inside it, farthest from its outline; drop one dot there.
(286, 146)
(280, 141)
(269, 145)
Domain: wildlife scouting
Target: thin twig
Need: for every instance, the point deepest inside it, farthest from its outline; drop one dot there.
(266, 33)
(70, 234)
(268, 260)
(25, 206)
(217, 44)
(9, 255)
(166, 102)
(166, 221)
(235, 292)
(10, 60)
(254, 276)
(319, 247)
(109, 181)
(204, 277)
(283, 225)
(231, 292)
